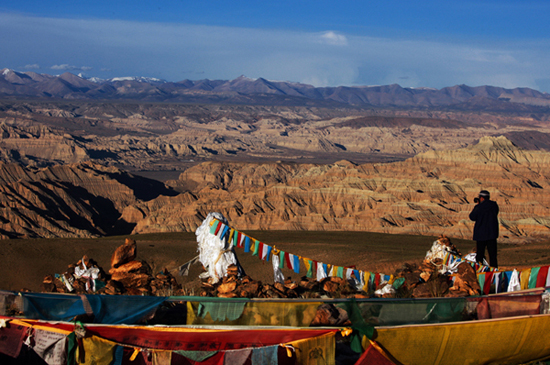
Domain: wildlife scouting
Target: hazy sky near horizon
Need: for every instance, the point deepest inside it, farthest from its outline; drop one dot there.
(324, 43)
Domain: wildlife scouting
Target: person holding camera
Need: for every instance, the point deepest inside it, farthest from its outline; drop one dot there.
(485, 216)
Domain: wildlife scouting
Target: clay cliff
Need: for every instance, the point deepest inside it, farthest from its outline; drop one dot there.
(429, 194)
(172, 137)
(78, 200)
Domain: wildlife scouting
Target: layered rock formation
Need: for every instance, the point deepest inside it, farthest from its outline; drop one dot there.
(78, 200)
(430, 194)
(143, 136)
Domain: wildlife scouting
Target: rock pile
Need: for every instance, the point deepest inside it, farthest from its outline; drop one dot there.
(233, 286)
(424, 281)
(126, 276)
(428, 279)
(130, 276)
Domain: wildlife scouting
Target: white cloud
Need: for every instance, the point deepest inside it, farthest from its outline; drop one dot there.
(32, 67)
(61, 67)
(334, 39)
(67, 67)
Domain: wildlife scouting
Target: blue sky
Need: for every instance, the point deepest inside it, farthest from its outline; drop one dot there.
(324, 43)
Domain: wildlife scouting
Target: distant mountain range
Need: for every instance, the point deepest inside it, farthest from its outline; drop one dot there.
(243, 90)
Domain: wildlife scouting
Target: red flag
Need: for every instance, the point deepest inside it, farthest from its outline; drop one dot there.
(541, 278)
(287, 259)
(220, 224)
(11, 339)
(488, 280)
(374, 355)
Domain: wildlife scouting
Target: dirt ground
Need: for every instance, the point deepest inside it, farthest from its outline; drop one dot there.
(24, 263)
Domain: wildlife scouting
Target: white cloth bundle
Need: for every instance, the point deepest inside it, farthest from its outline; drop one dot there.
(215, 253)
(514, 284)
(438, 251)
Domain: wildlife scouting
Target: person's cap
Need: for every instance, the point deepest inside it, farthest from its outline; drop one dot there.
(484, 194)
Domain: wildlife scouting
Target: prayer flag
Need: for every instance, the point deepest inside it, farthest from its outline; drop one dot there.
(309, 267)
(241, 239)
(247, 244)
(97, 350)
(256, 248)
(289, 260)
(11, 339)
(268, 252)
(262, 252)
(488, 282)
(524, 278)
(278, 276)
(367, 281)
(321, 271)
(282, 256)
(374, 355)
(237, 357)
(50, 346)
(541, 277)
(225, 231)
(533, 277)
(496, 280)
(514, 283)
(161, 357)
(481, 280)
(231, 232)
(340, 272)
(293, 262)
(265, 355)
(218, 227)
(214, 226)
(316, 350)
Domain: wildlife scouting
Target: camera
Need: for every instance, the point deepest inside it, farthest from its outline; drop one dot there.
(476, 200)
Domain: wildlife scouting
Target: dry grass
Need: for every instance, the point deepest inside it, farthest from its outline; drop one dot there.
(26, 262)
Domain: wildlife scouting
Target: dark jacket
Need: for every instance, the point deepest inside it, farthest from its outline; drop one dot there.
(485, 215)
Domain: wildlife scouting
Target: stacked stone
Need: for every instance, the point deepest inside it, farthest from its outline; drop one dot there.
(126, 276)
(233, 286)
(83, 277)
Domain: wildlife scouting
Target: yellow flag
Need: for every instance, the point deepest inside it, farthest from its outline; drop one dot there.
(316, 350)
(97, 351)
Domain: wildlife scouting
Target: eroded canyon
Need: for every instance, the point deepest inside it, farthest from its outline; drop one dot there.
(429, 194)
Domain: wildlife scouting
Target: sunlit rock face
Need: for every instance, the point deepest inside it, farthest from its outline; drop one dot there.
(431, 194)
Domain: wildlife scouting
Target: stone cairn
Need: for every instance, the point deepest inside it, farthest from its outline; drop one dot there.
(134, 277)
(126, 276)
(418, 281)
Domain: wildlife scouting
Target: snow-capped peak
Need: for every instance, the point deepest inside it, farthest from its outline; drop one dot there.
(244, 78)
(137, 78)
(94, 79)
(6, 71)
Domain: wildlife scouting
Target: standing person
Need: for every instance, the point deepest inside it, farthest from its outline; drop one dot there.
(485, 214)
